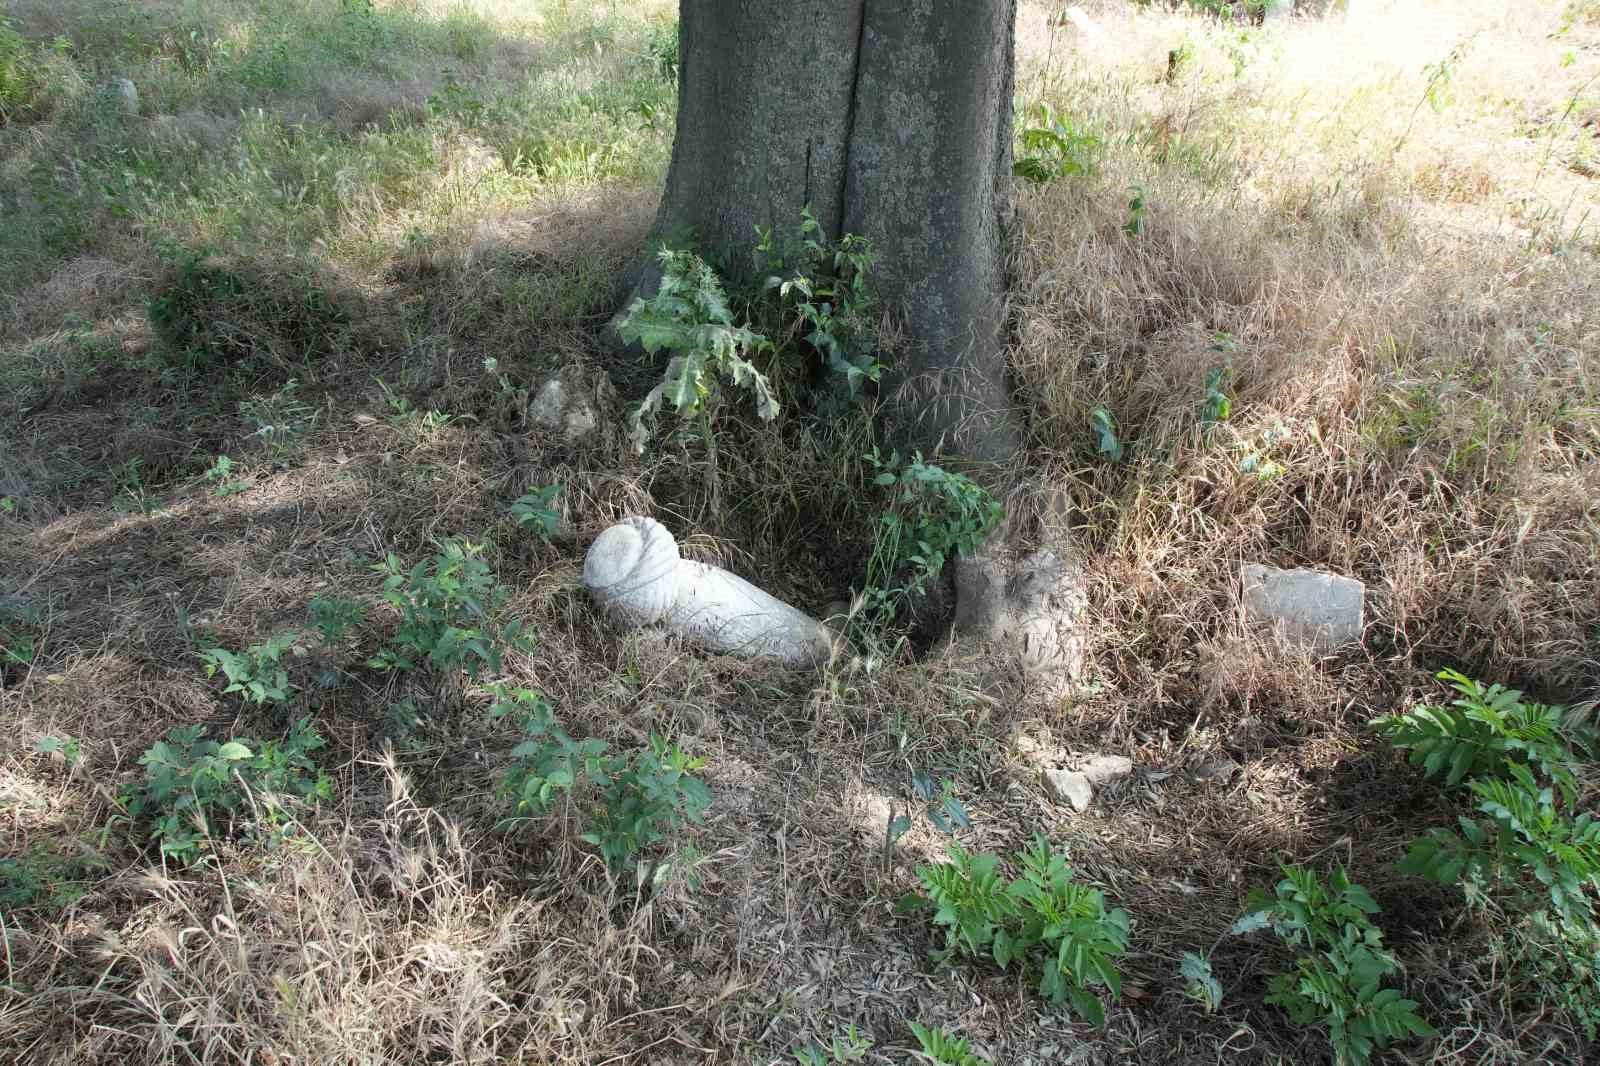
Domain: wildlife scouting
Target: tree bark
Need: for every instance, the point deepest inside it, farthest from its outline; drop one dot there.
(890, 119)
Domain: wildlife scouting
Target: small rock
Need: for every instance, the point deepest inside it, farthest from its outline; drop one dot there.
(127, 95)
(1069, 786)
(557, 407)
(1216, 771)
(1310, 607)
(1100, 769)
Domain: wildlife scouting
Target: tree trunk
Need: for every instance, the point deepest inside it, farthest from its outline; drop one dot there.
(890, 119)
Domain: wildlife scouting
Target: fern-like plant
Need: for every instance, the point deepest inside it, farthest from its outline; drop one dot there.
(944, 1049)
(1340, 965)
(1487, 730)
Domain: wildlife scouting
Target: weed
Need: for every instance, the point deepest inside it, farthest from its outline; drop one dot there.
(220, 472)
(661, 49)
(23, 82)
(46, 878)
(194, 788)
(1218, 403)
(257, 672)
(1055, 148)
(1201, 985)
(689, 315)
(19, 634)
(1136, 212)
(823, 294)
(333, 617)
(939, 804)
(548, 762)
(279, 420)
(67, 747)
(932, 514)
(643, 797)
(850, 1046)
(1044, 921)
(536, 508)
(446, 607)
(1487, 730)
(1337, 980)
(940, 1047)
(1105, 427)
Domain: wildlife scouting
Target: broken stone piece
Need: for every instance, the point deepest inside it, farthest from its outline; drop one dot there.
(635, 574)
(1100, 769)
(1309, 607)
(557, 407)
(1069, 786)
(127, 94)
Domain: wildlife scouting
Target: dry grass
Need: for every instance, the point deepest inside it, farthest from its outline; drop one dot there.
(1389, 220)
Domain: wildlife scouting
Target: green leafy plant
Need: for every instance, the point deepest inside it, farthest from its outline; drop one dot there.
(536, 508)
(1134, 226)
(1527, 844)
(1486, 730)
(932, 513)
(19, 640)
(333, 617)
(1105, 427)
(1044, 921)
(257, 672)
(1052, 147)
(644, 797)
(1341, 965)
(822, 290)
(548, 762)
(849, 1046)
(446, 607)
(689, 315)
(221, 472)
(23, 82)
(67, 747)
(947, 1050)
(194, 788)
(939, 804)
(1201, 985)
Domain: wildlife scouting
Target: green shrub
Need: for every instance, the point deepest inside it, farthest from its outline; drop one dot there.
(194, 788)
(536, 508)
(446, 606)
(333, 617)
(1052, 147)
(823, 298)
(644, 797)
(23, 81)
(932, 513)
(1340, 965)
(689, 315)
(1044, 921)
(256, 672)
(1485, 731)
(548, 762)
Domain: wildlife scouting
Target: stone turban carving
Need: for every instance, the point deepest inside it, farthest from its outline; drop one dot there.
(635, 574)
